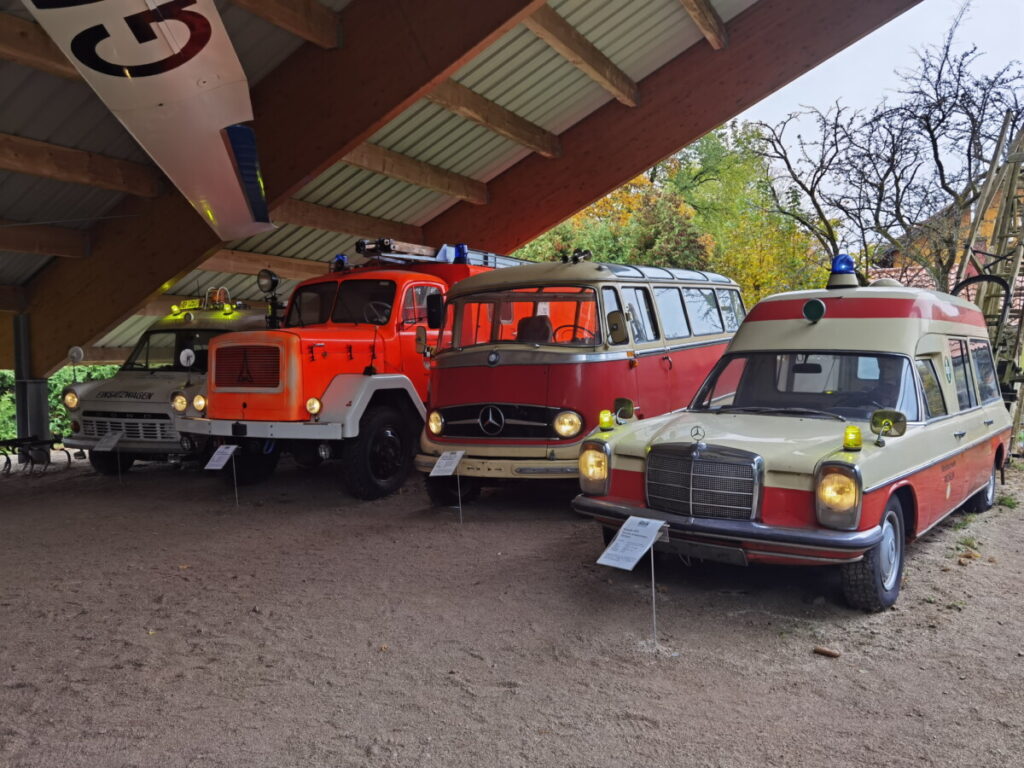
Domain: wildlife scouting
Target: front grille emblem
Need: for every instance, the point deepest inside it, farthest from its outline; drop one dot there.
(244, 374)
(492, 420)
(697, 433)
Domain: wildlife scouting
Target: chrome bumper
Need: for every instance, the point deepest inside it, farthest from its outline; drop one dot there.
(268, 430)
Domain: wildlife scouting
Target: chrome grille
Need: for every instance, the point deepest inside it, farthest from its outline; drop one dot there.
(144, 426)
(509, 420)
(707, 482)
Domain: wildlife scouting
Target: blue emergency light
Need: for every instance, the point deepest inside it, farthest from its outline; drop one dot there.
(843, 265)
(340, 263)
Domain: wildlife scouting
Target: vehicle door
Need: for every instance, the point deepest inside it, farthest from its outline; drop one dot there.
(991, 416)
(653, 364)
(413, 315)
(967, 427)
(938, 486)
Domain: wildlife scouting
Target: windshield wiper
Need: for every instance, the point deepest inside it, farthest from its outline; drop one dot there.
(770, 409)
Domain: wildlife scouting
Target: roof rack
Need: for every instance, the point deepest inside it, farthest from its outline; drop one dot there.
(395, 251)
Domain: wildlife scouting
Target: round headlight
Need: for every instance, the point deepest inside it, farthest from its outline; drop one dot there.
(313, 406)
(435, 422)
(70, 400)
(199, 403)
(266, 280)
(179, 402)
(593, 466)
(837, 491)
(568, 423)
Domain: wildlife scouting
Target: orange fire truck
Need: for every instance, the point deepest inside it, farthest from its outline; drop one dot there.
(341, 375)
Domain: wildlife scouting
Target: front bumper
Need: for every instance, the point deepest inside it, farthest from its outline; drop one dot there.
(136, 447)
(267, 430)
(537, 469)
(744, 539)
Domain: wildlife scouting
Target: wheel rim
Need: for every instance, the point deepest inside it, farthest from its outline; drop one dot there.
(889, 552)
(386, 454)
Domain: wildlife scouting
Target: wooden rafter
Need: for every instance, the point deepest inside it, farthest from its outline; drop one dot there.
(12, 298)
(41, 239)
(247, 263)
(307, 19)
(374, 158)
(25, 42)
(38, 158)
(708, 22)
(471, 105)
(554, 30)
(305, 214)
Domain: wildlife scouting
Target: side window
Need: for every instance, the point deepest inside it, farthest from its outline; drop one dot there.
(961, 374)
(984, 371)
(617, 333)
(934, 404)
(702, 307)
(673, 316)
(732, 308)
(414, 305)
(640, 314)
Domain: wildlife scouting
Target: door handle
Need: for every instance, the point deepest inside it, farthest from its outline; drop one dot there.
(989, 422)
(669, 358)
(958, 435)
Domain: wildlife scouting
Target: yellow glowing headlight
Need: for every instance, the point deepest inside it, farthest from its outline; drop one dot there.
(199, 403)
(313, 406)
(70, 400)
(179, 402)
(838, 496)
(593, 465)
(435, 422)
(568, 423)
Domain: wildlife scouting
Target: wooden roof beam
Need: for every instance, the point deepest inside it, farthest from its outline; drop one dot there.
(371, 157)
(708, 22)
(307, 19)
(471, 105)
(24, 42)
(44, 240)
(12, 298)
(38, 158)
(554, 30)
(303, 214)
(248, 263)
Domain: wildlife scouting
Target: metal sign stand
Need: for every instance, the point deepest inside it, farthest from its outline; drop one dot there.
(636, 538)
(446, 466)
(219, 460)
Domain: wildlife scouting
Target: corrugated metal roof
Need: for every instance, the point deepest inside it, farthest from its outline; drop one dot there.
(128, 332)
(18, 268)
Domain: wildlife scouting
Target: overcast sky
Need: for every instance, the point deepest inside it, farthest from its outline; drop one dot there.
(864, 72)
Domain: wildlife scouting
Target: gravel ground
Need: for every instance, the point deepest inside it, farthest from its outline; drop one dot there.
(152, 623)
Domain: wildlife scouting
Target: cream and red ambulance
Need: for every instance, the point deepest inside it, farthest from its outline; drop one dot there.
(840, 425)
(529, 356)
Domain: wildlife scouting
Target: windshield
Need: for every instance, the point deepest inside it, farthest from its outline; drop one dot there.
(311, 305)
(840, 384)
(161, 350)
(550, 315)
(364, 301)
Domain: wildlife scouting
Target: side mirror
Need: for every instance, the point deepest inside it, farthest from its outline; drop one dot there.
(617, 333)
(435, 311)
(421, 340)
(886, 423)
(187, 358)
(76, 355)
(623, 408)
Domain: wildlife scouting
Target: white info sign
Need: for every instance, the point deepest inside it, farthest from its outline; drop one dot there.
(635, 537)
(221, 457)
(109, 441)
(447, 464)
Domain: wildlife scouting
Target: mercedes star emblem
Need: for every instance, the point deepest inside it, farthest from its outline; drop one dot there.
(492, 420)
(697, 433)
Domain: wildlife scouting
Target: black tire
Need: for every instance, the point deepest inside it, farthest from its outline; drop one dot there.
(251, 464)
(105, 462)
(984, 499)
(444, 491)
(376, 463)
(873, 584)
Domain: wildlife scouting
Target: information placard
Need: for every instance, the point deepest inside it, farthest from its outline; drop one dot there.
(109, 441)
(221, 457)
(636, 536)
(447, 464)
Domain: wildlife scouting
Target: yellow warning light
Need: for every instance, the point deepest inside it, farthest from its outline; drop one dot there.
(606, 420)
(851, 438)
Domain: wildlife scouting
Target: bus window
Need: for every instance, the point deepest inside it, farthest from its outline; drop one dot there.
(640, 314)
(673, 316)
(732, 308)
(617, 333)
(702, 308)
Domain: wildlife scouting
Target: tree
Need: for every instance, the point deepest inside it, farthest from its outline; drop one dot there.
(59, 422)
(903, 176)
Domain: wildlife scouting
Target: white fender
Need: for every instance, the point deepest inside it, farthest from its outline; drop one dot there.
(348, 395)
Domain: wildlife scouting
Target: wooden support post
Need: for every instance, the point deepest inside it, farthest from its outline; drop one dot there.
(24, 42)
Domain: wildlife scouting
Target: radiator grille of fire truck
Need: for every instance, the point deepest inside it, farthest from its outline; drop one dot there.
(500, 420)
(706, 482)
(248, 367)
(134, 426)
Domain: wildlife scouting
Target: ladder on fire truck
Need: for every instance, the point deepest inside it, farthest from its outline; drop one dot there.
(999, 290)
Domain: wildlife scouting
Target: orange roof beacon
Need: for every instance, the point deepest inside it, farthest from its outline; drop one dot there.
(529, 356)
(343, 377)
(771, 463)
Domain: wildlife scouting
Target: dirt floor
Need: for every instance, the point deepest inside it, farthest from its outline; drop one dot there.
(153, 624)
